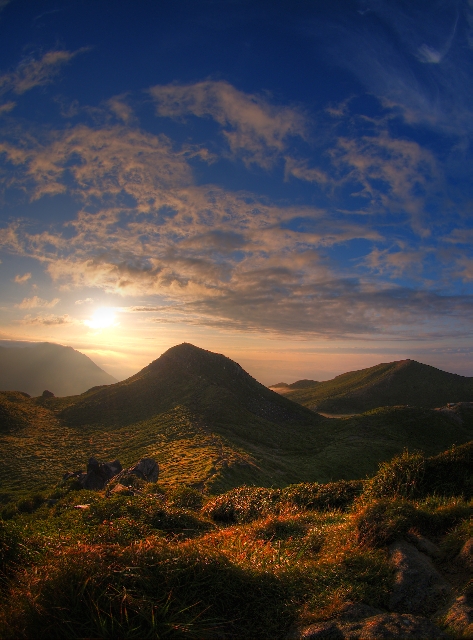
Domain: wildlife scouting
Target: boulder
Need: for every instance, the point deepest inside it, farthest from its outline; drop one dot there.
(97, 475)
(383, 625)
(465, 557)
(146, 469)
(459, 618)
(418, 587)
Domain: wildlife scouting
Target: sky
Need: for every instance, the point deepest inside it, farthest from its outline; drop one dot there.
(285, 182)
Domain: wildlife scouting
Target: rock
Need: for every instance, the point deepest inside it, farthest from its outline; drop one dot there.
(356, 611)
(465, 557)
(383, 625)
(47, 394)
(425, 545)
(147, 469)
(97, 474)
(459, 617)
(419, 588)
(121, 489)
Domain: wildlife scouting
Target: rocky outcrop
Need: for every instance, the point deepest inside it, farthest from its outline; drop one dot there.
(419, 588)
(459, 618)
(98, 474)
(382, 625)
(146, 469)
(465, 557)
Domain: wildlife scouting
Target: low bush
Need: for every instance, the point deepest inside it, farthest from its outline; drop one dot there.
(401, 477)
(185, 497)
(323, 497)
(381, 522)
(243, 504)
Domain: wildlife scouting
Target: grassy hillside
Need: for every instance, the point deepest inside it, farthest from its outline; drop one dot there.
(209, 425)
(59, 369)
(405, 382)
(252, 563)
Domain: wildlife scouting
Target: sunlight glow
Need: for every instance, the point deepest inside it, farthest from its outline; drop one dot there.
(102, 319)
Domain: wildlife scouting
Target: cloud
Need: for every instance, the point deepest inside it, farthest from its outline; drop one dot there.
(35, 301)
(32, 73)
(393, 175)
(7, 107)
(255, 130)
(85, 301)
(233, 260)
(48, 320)
(22, 279)
(413, 55)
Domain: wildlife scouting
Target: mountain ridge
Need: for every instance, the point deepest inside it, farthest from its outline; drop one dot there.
(402, 382)
(209, 425)
(46, 365)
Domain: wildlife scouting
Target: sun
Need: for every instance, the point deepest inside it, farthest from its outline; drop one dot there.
(102, 319)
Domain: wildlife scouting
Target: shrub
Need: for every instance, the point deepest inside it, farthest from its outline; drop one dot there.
(381, 522)
(186, 497)
(147, 510)
(243, 504)
(450, 473)
(401, 477)
(323, 497)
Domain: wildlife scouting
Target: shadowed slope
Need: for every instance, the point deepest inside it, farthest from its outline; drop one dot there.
(59, 369)
(207, 383)
(405, 382)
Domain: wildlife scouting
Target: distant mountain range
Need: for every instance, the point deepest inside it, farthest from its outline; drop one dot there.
(211, 425)
(405, 382)
(46, 366)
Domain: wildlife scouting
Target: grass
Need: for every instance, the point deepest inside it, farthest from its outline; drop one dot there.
(255, 562)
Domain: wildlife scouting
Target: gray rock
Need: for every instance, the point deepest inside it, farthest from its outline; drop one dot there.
(419, 588)
(459, 617)
(147, 469)
(122, 490)
(425, 545)
(465, 557)
(383, 625)
(97, 475)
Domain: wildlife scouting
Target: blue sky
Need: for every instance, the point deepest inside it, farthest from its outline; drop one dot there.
(288, 183)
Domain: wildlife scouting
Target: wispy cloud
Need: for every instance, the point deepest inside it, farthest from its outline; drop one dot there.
(33, 72)
(48, 320)
(22, 279)
(85, 301)
(35, 302)
(255, 130)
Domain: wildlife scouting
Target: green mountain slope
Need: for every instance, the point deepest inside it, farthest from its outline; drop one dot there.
(209, 424)
(405, 382)
(62, 370)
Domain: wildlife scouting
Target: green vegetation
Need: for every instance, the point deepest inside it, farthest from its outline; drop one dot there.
(251, 563)
(211, 427)
(405, 382)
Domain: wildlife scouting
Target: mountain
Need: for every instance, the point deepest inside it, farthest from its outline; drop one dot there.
(405, 382)
(210, 425)
(59, 369)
